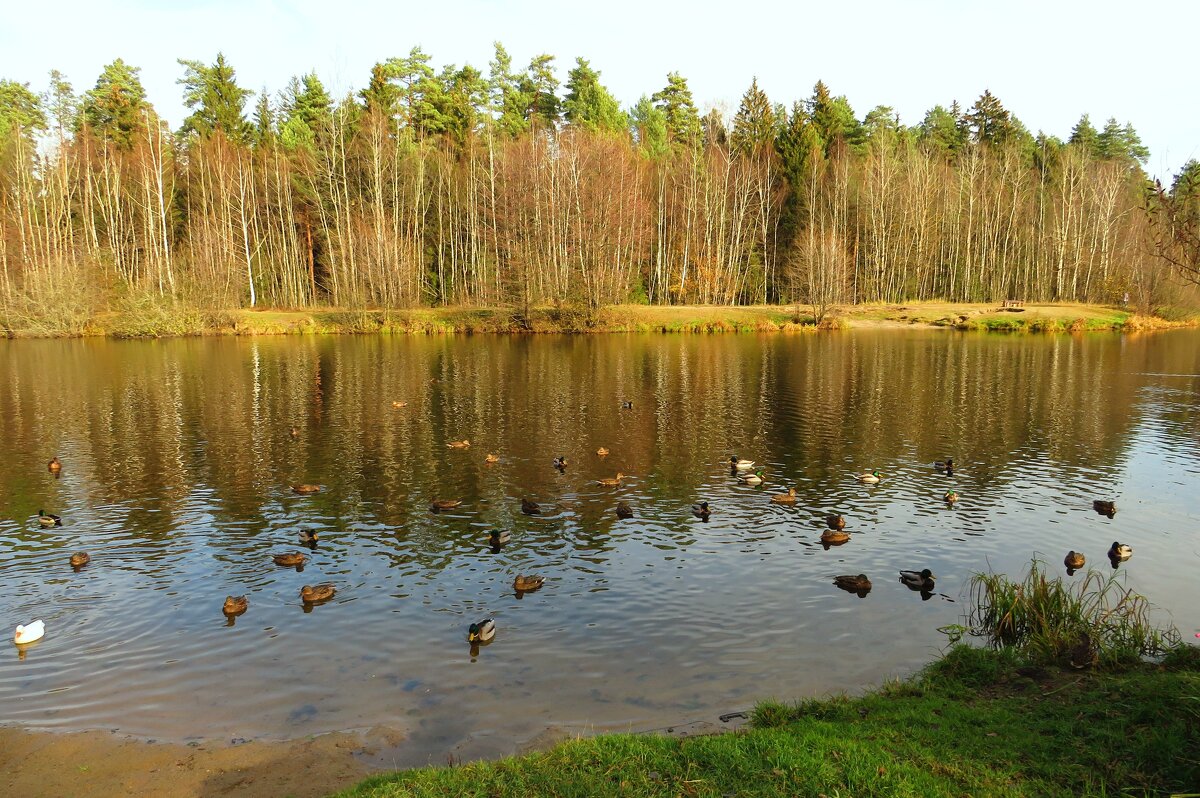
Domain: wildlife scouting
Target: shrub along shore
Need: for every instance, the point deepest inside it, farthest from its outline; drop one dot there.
(143, 320)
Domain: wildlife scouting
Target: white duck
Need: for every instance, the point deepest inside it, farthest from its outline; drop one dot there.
(29, 633)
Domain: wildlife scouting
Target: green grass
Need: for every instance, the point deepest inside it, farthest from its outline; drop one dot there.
(974, 723)
(1044, 617)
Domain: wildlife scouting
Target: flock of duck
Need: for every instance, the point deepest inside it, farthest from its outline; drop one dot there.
(484, 630)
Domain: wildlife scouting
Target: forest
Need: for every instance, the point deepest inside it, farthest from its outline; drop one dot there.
(460, 188)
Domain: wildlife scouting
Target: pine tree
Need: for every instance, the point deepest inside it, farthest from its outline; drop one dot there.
(1084, 136)
(941, 132)
(679, 111)
(832, 117)
(306, 109)
(115, 108)
(989, 121)
(508, 103)
(20, 110)
(754, 123)
(215, 99)
(588, 104)
(264, 120)
(62, 104)
(538, 87)
(650, 128)
(381, 95)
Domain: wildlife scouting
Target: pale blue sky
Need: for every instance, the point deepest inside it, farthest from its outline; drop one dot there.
(1047, 61)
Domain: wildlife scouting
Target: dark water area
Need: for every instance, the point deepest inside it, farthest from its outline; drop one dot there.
(178, 457)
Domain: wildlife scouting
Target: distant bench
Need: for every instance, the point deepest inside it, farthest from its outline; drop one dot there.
(1012, 303)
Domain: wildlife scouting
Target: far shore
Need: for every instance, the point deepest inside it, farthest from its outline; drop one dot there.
(158, 322)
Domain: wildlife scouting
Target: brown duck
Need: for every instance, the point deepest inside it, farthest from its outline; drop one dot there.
(438, 505)
(611, 482)
(1074, 560)
(835, 522)
(235, 605)
(317, 594)
(834, 537)
(80, 559)
(785, 498)
(463, 444)
(528, 584)
(624, 510)
(54, 466)
(305, 490)
(859, 584)
(291, 560)
(602, 452)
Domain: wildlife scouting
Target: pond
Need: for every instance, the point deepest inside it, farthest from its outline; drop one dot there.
(178, 456)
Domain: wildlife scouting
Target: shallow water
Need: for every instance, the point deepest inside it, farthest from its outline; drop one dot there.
(177, 460)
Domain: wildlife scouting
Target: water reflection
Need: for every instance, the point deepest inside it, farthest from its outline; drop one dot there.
(179, 460)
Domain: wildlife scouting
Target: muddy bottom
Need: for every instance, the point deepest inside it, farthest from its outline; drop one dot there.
(103, 764)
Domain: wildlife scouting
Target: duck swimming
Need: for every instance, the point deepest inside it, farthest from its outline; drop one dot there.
(1074, 560)
(492, 458)
(80, 559)
(528, 584)
(944, 465)
(751, 479)
(498, 538)
(318, 594)
(530, 508)
(437, 505)
(740, 465)
(482, 631)
(624, 510)
(1120, 551)
(306, 490)
(308, 536)
(560, 462)
(48, 520)
(701, 510)
(834, 537)
(785, 498)
(627, 405)
(950, 497)
(918, 580)
(1108, 508)
(602, 452)
(54, 466)
(399, 404)
(235, 605)
(611, 482)
(290, 560)
(29, 632)
(463, 444)
(835, 521)
(859, 584)
(871, 478)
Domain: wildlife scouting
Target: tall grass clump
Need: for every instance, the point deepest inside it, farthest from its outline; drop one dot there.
(1044, 618)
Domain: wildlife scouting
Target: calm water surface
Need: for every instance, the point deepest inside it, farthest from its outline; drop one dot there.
(178, 458)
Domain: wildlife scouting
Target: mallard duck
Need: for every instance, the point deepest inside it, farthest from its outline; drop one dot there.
(701, 510)
(624, 510)
(1074, 560)
(48, 520)
(235, 605)
(855, 584)
(1120, 551)
(740, 465)
(626, 405)
(492, 458)
(317, 594)
(483, 631)
(290, 560)
(498, 538)
(463, 444)
(785, 498)
(308, 536)
(54, 465)
(751, 479)
(950, 497)
(295, 432)
(1105, 508)
(944, 465)
(399, 404)
(602, 452)
(870, 478)
(834, 537)
(560, 462)
(305, 490)
(80, 559)
(1082, 654)
(444, 504)
(528, 584)
(611, 482)
(29, 632)
(835, 521)
(918, 580)
(530, 508)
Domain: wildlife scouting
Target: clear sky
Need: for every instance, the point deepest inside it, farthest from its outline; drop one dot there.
(1049, 61)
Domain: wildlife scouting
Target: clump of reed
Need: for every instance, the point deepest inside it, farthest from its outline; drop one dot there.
(1044, 618)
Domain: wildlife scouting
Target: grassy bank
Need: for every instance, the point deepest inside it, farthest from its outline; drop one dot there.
(1063, 703)
(974, 723)
(146, 318)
